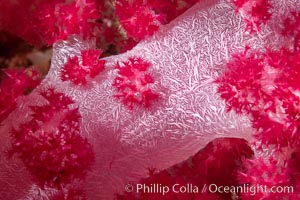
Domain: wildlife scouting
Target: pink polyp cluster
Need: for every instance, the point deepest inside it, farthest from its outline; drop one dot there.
(292, 28)
(46, 22)
(132, 82)
(57, 21)
(264, 85)
(77, 72)
(257, 12)
(267, 174)
(137, 19)
(14, 84)
(50, 144)
(141, 19)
